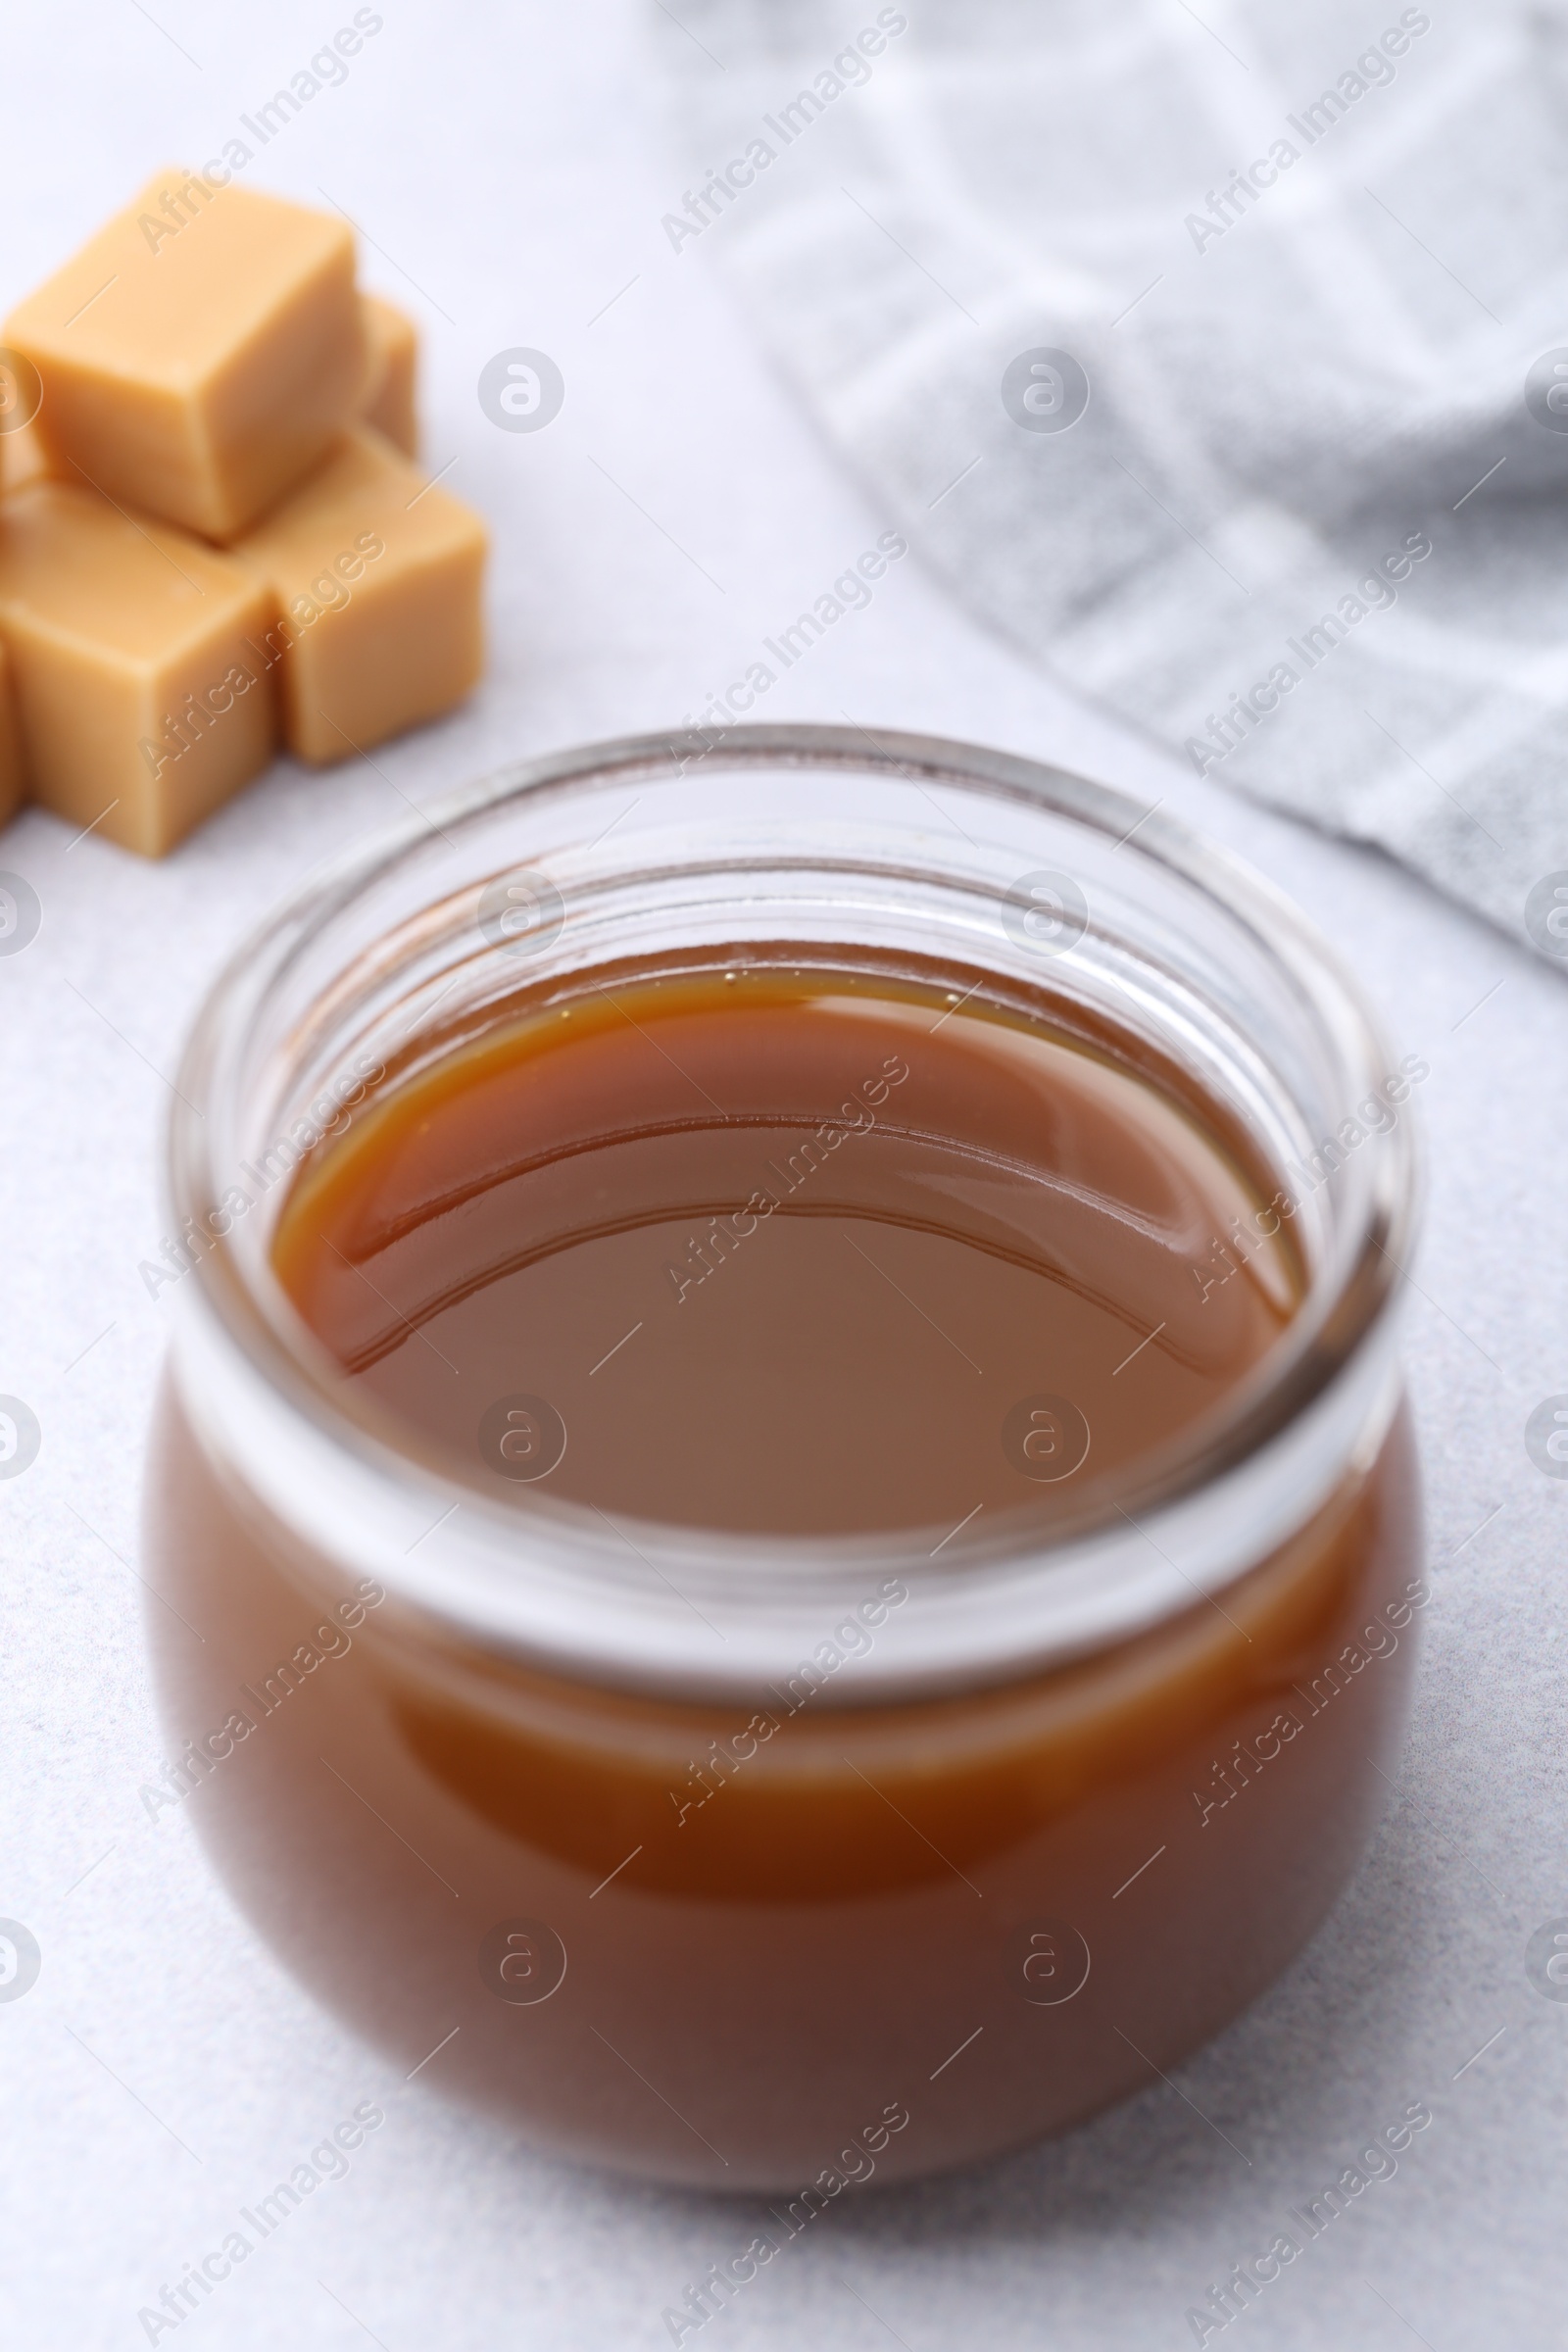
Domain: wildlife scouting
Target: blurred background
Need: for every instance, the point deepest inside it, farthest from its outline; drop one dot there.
(964, 301)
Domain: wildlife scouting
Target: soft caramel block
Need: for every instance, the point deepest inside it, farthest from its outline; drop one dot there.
(199, 353)
(394, 358)
(376, 579)
(142, 705)
(13, 782)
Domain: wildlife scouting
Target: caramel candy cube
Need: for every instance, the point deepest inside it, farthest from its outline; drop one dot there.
(142, 706)
(376, 579)
(394, 357)
(199, 353)
(12, 781)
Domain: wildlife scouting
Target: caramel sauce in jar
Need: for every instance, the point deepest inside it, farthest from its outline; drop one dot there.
(772, 1645)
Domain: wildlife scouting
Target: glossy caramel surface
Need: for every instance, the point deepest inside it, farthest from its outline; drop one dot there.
(789, 1250)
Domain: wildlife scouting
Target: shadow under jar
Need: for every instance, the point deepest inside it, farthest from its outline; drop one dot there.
(784, 1442)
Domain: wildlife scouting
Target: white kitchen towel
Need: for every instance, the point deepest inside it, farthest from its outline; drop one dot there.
(1217, 356)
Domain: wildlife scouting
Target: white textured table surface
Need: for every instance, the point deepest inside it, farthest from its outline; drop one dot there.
(510, 166)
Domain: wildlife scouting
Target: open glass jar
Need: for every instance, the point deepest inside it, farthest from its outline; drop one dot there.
(1078, 1793)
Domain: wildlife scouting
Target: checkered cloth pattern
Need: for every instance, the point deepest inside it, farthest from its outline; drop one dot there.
(1217, 356)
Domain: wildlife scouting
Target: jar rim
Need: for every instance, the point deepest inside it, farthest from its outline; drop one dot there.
(264, 1394)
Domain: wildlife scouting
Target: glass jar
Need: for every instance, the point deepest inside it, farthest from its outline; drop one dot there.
(1058, 1809)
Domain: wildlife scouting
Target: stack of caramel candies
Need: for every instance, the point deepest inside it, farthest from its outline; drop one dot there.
(212, 535)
